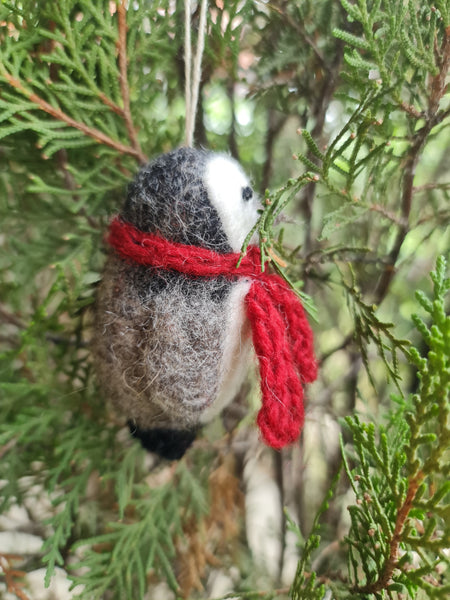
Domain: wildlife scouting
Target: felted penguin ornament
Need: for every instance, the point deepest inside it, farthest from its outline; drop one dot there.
(176, 318)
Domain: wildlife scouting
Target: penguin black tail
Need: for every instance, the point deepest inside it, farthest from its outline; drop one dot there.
(167, 443)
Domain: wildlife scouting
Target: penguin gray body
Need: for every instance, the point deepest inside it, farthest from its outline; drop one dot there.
(172, 350)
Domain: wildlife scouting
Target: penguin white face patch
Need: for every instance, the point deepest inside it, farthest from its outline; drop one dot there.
(232, 196)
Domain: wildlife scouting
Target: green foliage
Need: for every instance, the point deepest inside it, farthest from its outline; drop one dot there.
(400, 480)
(399, 477)
(306, 584)
(369, 328)
(428, 451)
(341, 114)
(65, 65)
(142, 535)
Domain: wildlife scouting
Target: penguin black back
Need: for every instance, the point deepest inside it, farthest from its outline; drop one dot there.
(169, 197)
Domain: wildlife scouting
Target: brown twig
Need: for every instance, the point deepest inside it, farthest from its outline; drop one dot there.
(382, 210)
(439, 82)
(329, 83)
(58, 114)
(275, 122)
(430, 187)
(7, 447)
(11, 575)
(411, 110)
(440, 217)
(391, 562)
(10, 318)
(232, 141)
(123, 78)
(434, 117)
(110, 104)
(298, 27)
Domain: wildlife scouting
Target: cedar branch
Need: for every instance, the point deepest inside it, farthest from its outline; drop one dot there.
(58, 114)
(412, 160)
(112, 105)
(123, 78)
(439, 82)
(431, 186)
(391, 562)
(433, 118)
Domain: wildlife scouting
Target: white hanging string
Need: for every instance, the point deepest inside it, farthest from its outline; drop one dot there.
(187, 67)
(193, 72)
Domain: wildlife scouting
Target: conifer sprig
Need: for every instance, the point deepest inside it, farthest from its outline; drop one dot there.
(368, 327)
(413, 472)
(399, 476)
(144, 540)
(307, 585)
(60, 74)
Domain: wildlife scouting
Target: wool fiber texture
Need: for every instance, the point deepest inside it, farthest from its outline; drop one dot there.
(281, 334)
(171, 349)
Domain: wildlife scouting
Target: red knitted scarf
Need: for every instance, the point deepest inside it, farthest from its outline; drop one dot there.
(282, 337)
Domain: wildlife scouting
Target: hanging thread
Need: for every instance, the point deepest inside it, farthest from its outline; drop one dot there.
(193, 72)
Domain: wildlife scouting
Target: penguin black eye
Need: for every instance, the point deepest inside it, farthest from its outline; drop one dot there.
(247, 193)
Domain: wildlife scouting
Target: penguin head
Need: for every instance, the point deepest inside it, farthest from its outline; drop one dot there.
(193, 197)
